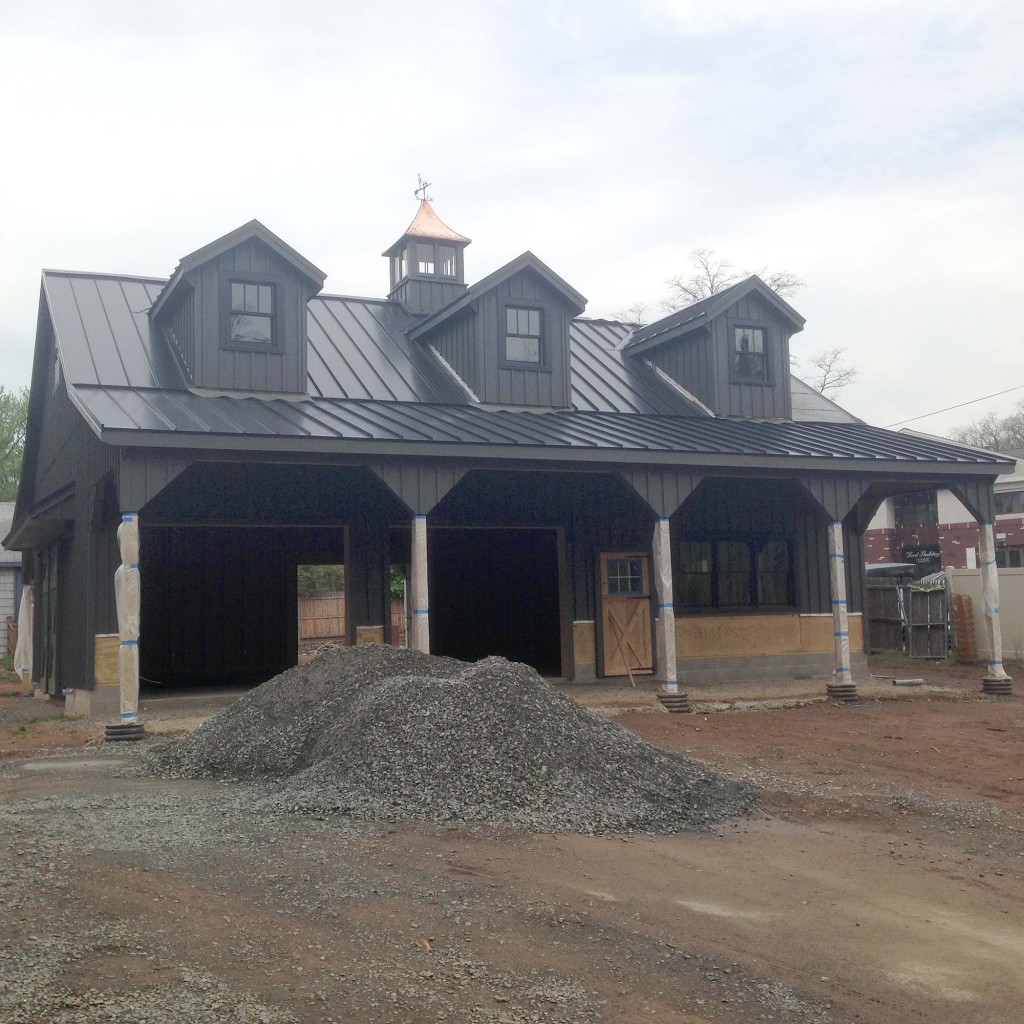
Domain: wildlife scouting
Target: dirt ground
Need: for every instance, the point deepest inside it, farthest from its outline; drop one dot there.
(881, 880)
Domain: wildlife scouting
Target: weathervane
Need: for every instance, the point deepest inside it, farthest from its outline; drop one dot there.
(424, 185)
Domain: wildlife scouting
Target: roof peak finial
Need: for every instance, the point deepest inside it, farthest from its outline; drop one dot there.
(423, 186)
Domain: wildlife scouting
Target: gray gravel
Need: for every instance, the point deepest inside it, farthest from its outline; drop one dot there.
(382, 733)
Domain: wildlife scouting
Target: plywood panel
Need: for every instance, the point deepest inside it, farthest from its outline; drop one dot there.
(584, 643)
(105, 659)
(723, 636)
(369, 634)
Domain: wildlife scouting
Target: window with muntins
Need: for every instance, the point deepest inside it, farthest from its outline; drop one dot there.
(1011, 557)
(749, 356)
(625, 576)
(1009, 502)
(735, 574)
(523, 339)
(252, 313)
(918, 509)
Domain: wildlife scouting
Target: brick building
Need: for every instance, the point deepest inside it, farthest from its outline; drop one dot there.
(935, 531)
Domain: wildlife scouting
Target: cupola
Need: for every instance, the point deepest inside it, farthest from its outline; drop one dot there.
(427, 269)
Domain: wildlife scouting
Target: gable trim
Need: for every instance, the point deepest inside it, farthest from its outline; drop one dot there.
(526, 261)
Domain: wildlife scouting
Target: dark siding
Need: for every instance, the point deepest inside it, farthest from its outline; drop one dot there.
(420, 485)
(218, 604)
(701, 363)
(599, 512)
(215, 365)
(771, 401)
(738, 508)
(181, 324)
(503, 386)
(456, 342)
(425, 295)
(690, 362)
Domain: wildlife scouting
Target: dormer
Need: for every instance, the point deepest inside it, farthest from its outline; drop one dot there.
(507, 336)
(234, 313)
(427, 268)
(730, 350)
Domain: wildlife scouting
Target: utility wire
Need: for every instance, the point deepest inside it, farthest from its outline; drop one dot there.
(950, 408)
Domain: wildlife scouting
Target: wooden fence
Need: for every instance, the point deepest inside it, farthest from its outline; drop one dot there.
(12, 635)
(324, 617)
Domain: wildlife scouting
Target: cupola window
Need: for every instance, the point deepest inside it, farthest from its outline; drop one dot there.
(252, 313)
(446, 258)
(424, 258)
(523, 339)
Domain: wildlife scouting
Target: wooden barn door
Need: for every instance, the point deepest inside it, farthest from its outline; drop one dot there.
(626, 614)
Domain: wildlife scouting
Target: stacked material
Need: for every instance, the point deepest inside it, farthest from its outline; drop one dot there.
(382, 733)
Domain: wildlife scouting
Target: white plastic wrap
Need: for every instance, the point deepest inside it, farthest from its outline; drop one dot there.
(665, 623)
(23, 650)
(842, 673)
(420, 627)
(128, 598)
(990, 602)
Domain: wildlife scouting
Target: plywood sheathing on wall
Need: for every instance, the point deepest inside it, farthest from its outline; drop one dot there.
(722, 636)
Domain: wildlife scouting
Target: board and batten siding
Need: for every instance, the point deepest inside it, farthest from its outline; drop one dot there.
(219, 365)
(702, 360)
(473, 344)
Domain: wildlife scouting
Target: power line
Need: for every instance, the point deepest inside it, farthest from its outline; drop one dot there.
(950, 408)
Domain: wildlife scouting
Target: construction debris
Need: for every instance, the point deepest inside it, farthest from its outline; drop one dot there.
(382, 733)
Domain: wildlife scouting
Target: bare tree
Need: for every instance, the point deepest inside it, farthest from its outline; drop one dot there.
(992, 431)
(634, 316)
(832, 372)
(13, 419)
(711, 274)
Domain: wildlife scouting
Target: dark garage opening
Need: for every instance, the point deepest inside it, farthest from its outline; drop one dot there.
(496, 592)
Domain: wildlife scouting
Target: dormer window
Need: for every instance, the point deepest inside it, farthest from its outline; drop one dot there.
(252, 313)
(749, 362)
(523, 338)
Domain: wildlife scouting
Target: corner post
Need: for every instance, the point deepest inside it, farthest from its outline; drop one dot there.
(128, 598)
(996, 683)
(842, 686)
(419, 631)
(665, 622)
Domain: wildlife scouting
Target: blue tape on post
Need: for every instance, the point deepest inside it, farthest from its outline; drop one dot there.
(843, 670)
(839, 600)
(840, 634)
(666, 605)
(841, 558)
(128, 714)
(421, 611)
(129, 643)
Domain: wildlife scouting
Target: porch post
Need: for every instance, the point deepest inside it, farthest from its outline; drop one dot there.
(128, 599)
(842, 686)
(996, 683)
(665, 623)
(419, 631)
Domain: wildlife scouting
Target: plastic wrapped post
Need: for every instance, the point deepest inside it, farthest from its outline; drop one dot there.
(665, 624)
(128, 598)
(842, 685)
(996, 680)
(420, 626)
(23, 650)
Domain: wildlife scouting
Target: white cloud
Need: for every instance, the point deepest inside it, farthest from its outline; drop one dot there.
(874, 149)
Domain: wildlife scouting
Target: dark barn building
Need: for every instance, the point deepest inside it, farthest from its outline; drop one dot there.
(588, 498)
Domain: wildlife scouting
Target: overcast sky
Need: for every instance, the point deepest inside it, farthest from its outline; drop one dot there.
(876, 152)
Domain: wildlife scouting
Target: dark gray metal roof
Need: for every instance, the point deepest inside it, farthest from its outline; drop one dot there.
(699, 313)
(183, 419)
(358, 349)
(372, 390)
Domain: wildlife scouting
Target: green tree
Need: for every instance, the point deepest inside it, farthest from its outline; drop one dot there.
(13, 420)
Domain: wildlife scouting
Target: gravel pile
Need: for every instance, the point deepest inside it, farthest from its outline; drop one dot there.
(382, 733)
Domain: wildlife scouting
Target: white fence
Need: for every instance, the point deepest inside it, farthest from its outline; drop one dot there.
(1011, 607)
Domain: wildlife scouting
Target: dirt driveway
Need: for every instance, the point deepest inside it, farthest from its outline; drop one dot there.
(882, 880)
